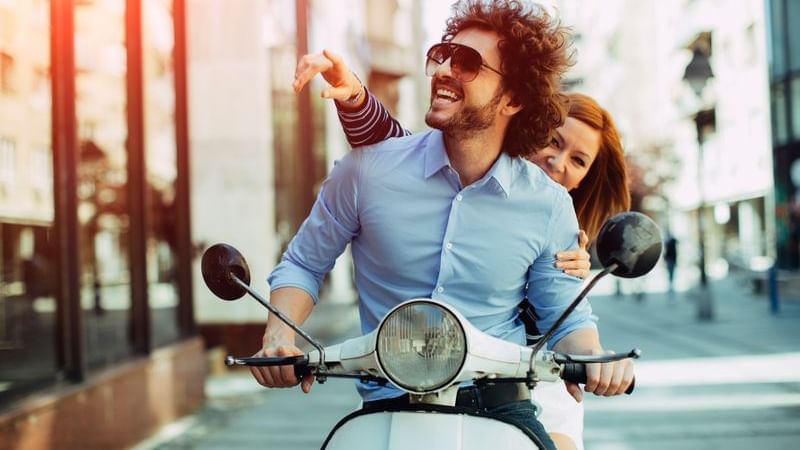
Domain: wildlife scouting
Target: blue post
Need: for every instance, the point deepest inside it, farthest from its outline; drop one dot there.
(773, 290)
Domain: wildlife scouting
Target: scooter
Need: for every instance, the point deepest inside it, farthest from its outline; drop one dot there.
(428, 349)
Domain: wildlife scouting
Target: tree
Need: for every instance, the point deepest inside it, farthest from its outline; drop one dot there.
(651, 169)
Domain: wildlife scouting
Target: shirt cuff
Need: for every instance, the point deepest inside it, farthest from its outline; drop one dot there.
(283, 277)
(355, 114)
(588, 322)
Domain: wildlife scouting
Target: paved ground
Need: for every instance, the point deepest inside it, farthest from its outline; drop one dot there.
(731, 383)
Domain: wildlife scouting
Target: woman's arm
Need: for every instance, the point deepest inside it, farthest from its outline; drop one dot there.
(364, 119)
(369, 125)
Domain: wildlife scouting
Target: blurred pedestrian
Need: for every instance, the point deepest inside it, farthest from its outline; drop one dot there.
(671, 260)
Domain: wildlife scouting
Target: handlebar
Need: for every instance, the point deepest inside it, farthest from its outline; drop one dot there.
(300, 363)
(576, 372)
(574, 365)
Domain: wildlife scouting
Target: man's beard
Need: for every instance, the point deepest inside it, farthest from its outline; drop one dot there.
(469, 120)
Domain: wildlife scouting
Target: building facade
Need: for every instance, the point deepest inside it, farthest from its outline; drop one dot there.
(784, 79)
(95, 281)
(632, 57)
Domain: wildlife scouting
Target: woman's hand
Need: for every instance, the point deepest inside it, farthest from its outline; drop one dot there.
(575, 262)
(343, 83)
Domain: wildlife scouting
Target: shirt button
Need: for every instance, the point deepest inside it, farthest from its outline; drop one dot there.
(459, 197)
(440, 289)
(448, 246)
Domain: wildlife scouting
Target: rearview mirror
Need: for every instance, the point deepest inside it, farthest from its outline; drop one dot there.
(219, 262)
(632, 241)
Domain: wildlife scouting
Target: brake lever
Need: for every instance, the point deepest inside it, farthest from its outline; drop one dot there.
(271, 361)
(562, 358)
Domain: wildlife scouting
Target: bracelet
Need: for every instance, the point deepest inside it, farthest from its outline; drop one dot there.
(354, 99)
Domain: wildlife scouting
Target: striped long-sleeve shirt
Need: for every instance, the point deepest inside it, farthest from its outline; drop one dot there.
(370, 124)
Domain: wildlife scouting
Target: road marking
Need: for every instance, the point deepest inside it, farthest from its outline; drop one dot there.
(704, 402)
(776, 368)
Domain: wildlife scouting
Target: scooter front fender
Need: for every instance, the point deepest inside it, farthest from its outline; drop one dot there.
(413, 430)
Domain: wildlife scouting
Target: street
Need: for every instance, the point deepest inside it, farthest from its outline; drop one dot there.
(732, 383)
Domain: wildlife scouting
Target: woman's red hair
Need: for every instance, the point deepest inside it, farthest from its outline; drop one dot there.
(603, 192)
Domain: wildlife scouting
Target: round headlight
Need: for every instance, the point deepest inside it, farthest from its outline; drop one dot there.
(421, 347)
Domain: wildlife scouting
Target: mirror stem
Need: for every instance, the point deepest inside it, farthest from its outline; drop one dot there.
(541, 342)
(284, 319)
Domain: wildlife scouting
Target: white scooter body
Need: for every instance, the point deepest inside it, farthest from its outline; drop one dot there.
(407, 430)
(435, 423)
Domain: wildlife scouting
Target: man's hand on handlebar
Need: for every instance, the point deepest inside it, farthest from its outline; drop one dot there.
(279, 376)
(606, 379)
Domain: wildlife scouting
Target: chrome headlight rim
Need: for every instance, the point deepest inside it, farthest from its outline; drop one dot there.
(457, 318)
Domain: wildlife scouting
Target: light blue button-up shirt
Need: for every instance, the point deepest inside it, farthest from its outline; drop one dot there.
(416, 232)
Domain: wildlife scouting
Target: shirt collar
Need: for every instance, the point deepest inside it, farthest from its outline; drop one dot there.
(435, 155)
(436, 159)
(501, 171)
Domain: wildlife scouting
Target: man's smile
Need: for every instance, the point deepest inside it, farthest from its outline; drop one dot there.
(445, 94)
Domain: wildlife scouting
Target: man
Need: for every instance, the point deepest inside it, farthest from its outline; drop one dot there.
(454, 213)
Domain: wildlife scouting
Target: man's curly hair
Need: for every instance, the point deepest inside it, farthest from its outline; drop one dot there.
(533, 50)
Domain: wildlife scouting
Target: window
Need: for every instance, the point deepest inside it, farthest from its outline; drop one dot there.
(100, 103)
(27, 256)
(778, 49)
(34, 350)
(41, 169)
(8, 161)
(161, 159)
(795, 89)
(6, 73)
(793, 38)
(780, 127)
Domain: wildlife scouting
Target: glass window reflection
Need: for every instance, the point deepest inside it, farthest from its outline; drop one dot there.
(27, 258)
(793, 19)
(795, 88)
(780, 127)
(160, 150)
(777, 52)
(100, 96)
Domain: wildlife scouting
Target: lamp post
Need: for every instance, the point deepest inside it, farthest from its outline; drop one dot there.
(696, 75)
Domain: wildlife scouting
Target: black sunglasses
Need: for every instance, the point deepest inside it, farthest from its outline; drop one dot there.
(465, 62)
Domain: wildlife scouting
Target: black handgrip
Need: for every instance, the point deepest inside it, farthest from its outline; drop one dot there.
(301, 369)
(300, 363)
(270, 361)
(576, 372)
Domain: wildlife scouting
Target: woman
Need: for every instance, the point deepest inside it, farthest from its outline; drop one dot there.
(585, 156)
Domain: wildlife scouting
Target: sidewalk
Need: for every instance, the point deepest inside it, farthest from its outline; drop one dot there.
(241, 414)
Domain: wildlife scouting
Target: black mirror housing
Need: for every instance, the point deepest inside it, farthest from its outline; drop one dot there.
(220, 263)
(632, 241)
